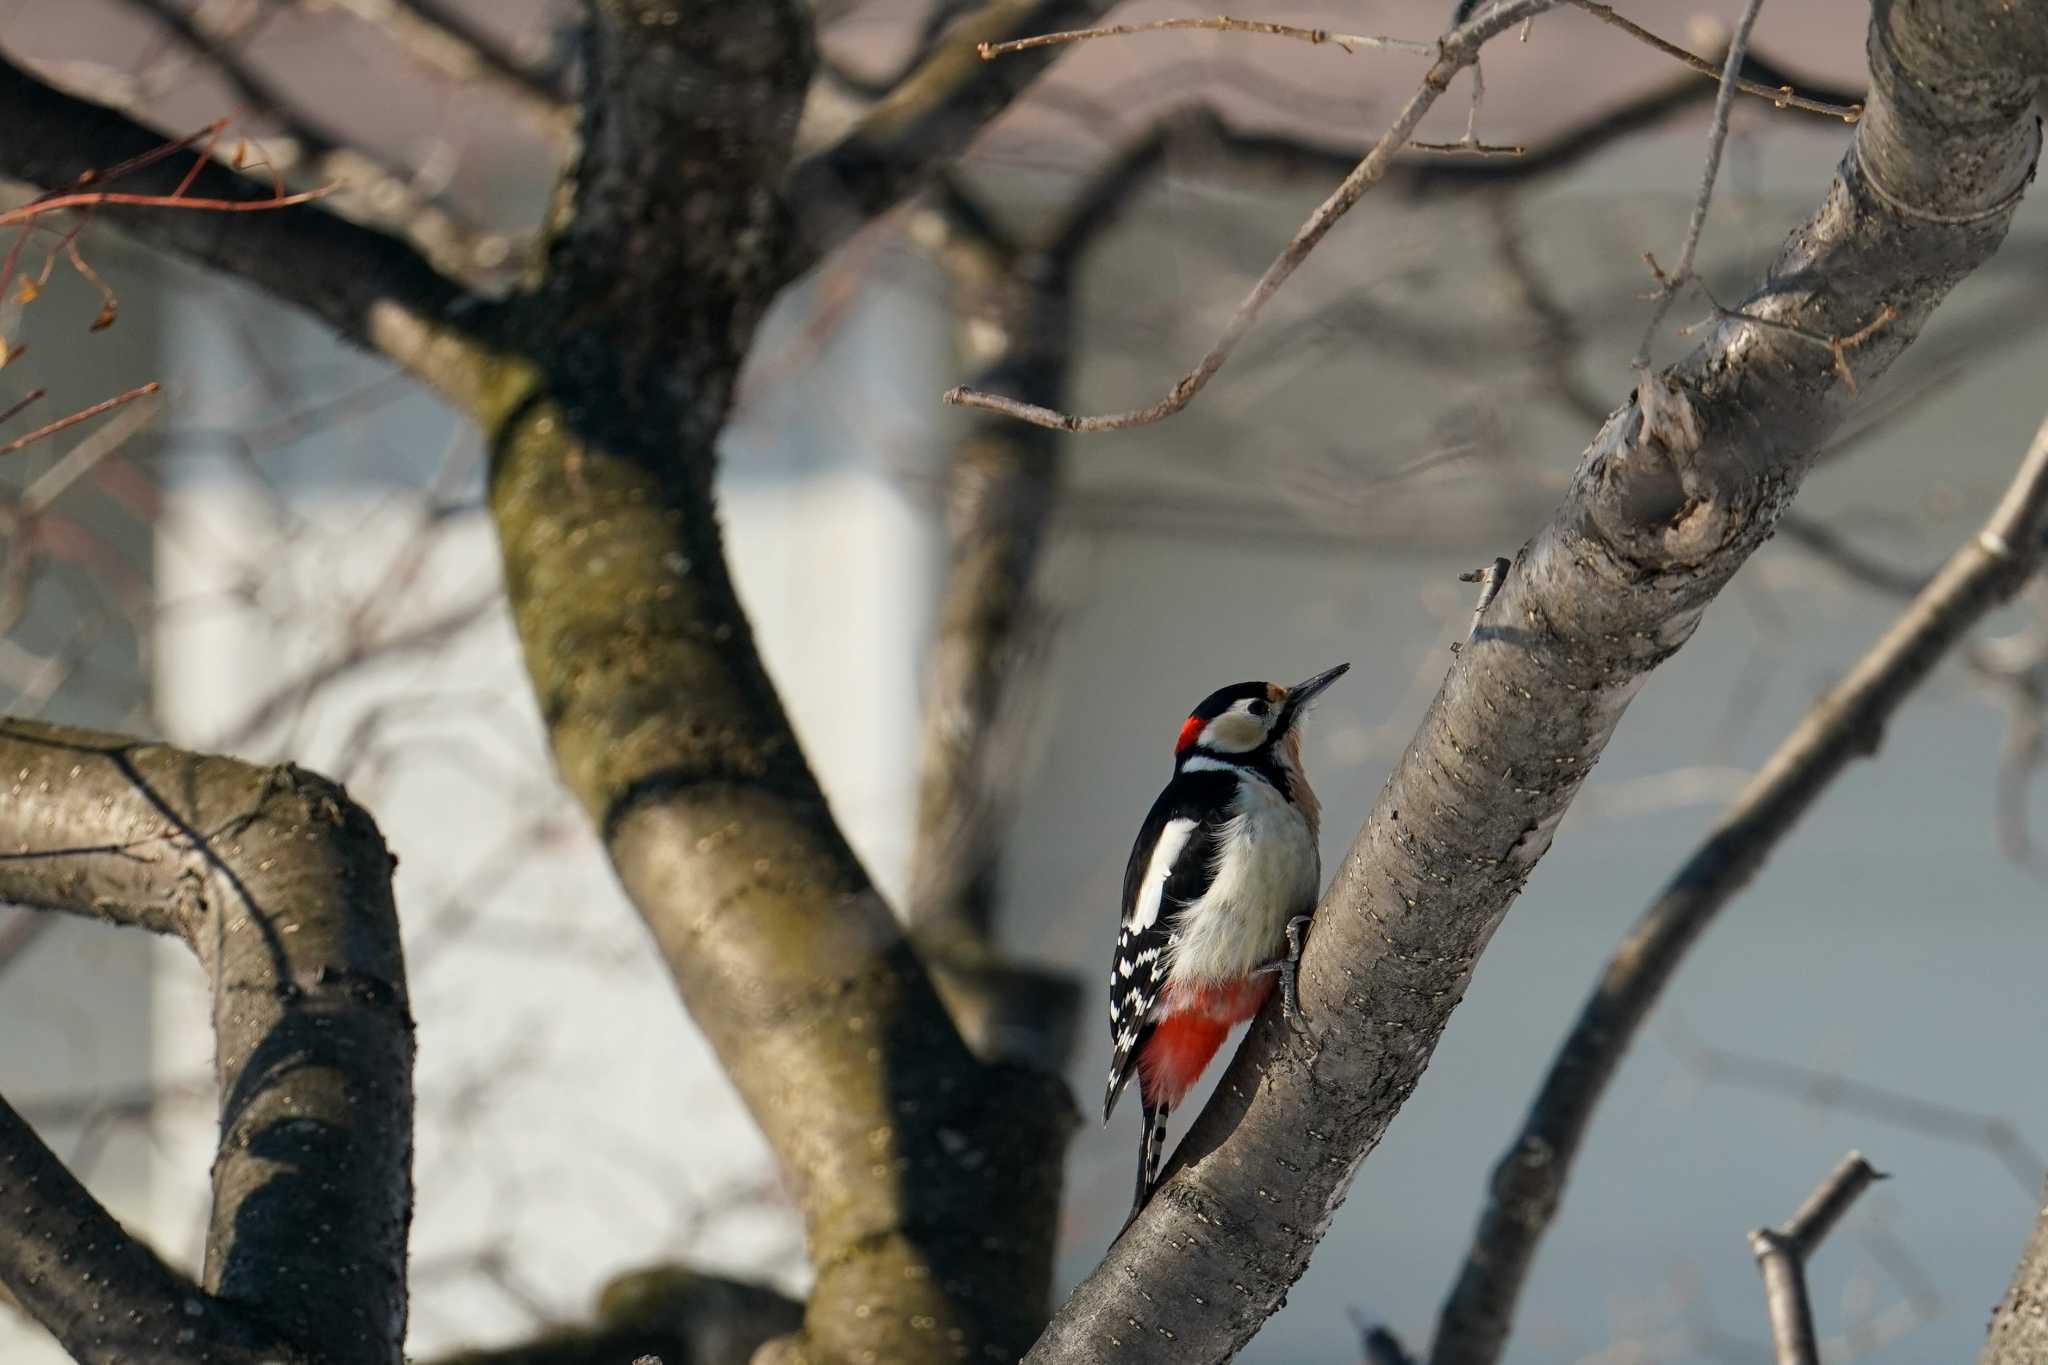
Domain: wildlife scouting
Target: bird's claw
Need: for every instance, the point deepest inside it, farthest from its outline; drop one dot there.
(1290, 970)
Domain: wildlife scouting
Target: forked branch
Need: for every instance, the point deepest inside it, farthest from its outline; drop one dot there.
(1781, 1255)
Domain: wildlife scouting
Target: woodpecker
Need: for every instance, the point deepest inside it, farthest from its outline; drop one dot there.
(1220, 884)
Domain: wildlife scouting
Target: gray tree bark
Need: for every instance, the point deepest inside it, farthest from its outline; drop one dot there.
(1659, 517)
(281, 886)
(2019, 1325)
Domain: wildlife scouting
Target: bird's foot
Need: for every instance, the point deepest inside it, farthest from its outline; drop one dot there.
(1289, 969)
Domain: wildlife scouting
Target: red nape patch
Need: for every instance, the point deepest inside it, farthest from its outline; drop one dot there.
(1190, 731)
(1180, 1046)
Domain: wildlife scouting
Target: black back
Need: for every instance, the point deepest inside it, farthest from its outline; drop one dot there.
(1206, 799)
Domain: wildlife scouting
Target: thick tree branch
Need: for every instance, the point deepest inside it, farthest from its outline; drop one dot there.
(104, 1295)
(2019, 1325)
(373, 289)
(930, 117)
(1845, 725)
(666, 727)
(1654, 526)
(282, 887)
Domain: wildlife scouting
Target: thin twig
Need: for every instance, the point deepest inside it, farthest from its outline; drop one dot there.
(1781, 1255)
(1221, 23)
(93, 199)
(27, 400)
(1717, 138)
(1459, 49)
(1529, 1180)
(1783, 96)
(83, 414)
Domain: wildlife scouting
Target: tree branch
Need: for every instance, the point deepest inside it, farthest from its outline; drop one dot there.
(1011, 313)
(1781, 1255)
(1845, 725)
(666, 727)
(930, 117)
(373, 289)
(441, 37)
(1648, 535)
(1457, 50)
(282, 887)
(2019, 1325)
(373, 189)
(67, 1263)
(669, 1312)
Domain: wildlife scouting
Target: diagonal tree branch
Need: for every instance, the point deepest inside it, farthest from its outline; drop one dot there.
(2019, 1325)
(282, 887)
(66, 1262)
(1654, 526)
(440, 36)
(372, 288)
(939, 107)
(374, 190)
(1845, 725)
(666, 727)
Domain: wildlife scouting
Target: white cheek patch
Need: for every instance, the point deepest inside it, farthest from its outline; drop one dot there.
(1234, 732)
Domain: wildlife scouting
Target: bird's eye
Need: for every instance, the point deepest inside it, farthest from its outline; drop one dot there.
(1257, 708)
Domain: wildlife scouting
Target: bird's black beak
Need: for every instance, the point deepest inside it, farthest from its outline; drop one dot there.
(1302, 693)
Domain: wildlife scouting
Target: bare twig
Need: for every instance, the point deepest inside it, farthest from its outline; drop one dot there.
(1459, 49)
(84, 414)
(1717, 137)
(1781, 1255)
(1221, 23)
(1783, 96)
(1529, 1180)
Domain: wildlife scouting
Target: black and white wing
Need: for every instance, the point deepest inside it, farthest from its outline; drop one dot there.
(1172, 864)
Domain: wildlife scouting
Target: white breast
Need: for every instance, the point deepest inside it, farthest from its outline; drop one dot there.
(1268, 871)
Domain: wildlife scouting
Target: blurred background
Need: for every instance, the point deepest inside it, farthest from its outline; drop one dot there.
(284, 554)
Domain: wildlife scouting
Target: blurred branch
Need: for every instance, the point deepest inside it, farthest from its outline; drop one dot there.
(931, 115)
(1847, 724)
(373, 189)
(373, 289)
(282, 888)
(1782, 1253)
(1830, 1092)
(673, 1313)
(1011, 309)
(1459, 49)
(1616, 583)
(443, 38)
